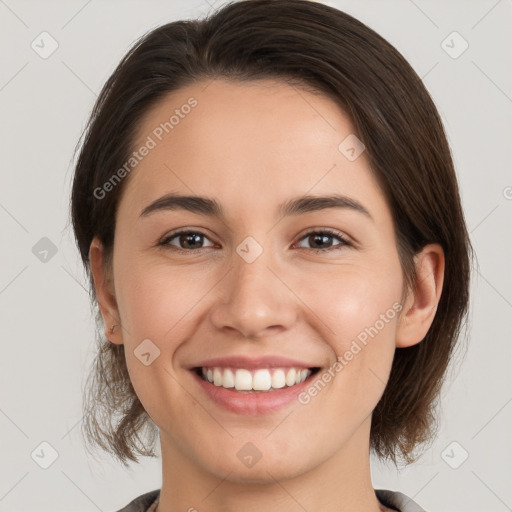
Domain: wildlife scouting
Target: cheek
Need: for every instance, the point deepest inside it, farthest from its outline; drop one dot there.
(155, 299)
(349, 299)
(358, 310)
(160, 304)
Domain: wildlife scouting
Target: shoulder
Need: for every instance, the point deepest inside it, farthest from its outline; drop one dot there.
(142, 502)
(398, 501)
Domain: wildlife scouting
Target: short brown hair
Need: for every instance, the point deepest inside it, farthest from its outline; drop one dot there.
(309, 45)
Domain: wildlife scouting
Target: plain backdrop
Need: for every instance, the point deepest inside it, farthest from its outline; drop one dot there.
(47, 332)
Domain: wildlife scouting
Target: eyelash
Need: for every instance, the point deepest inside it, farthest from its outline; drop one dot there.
(330, 232)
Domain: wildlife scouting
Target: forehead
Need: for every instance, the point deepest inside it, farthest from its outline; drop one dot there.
(235, 140)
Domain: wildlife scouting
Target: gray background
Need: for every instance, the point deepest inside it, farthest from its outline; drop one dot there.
(46, 327)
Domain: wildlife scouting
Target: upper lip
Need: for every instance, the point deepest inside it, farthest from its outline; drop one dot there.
(253, 362)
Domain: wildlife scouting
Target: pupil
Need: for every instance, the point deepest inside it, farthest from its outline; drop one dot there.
(188, 237)
(323, 238)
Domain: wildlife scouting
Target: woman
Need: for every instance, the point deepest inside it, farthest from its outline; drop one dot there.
(266, 205)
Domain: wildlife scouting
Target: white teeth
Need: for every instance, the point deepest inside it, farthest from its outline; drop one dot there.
(228, 380)
(259, 380)
(278, 379)
(217, 377)
(262, 380)
(243, 380)
(290, 377)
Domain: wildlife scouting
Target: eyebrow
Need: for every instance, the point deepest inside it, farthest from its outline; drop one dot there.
(210, 207)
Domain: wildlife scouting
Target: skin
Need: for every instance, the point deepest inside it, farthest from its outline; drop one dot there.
(251, 147)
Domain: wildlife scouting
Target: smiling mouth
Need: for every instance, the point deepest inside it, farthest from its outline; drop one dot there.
(262, 380)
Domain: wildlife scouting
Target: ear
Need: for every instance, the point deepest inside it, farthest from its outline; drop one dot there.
(421, 303)
(104, 286)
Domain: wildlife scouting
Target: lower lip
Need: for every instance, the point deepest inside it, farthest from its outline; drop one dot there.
(252, 404)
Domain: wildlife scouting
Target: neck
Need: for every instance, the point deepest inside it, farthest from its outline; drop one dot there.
(342, 483)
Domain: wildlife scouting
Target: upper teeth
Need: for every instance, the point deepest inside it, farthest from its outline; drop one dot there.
(257, 380)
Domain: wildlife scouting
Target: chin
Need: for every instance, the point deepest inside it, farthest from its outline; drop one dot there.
(264, 471)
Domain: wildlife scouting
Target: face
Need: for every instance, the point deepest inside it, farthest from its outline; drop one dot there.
(253, 293)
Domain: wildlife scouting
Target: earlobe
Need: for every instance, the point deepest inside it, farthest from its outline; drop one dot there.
(421, 304)
(104, 287)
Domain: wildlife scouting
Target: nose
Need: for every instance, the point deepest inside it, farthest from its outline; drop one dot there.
(254, 299)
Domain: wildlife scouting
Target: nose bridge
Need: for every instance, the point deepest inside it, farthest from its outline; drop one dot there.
(251, 274)
(253, 297)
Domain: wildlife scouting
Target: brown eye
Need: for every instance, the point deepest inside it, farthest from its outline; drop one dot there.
(186, 240)
(318, 238)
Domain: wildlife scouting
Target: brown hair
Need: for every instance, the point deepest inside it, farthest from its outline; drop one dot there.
(312, 46)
